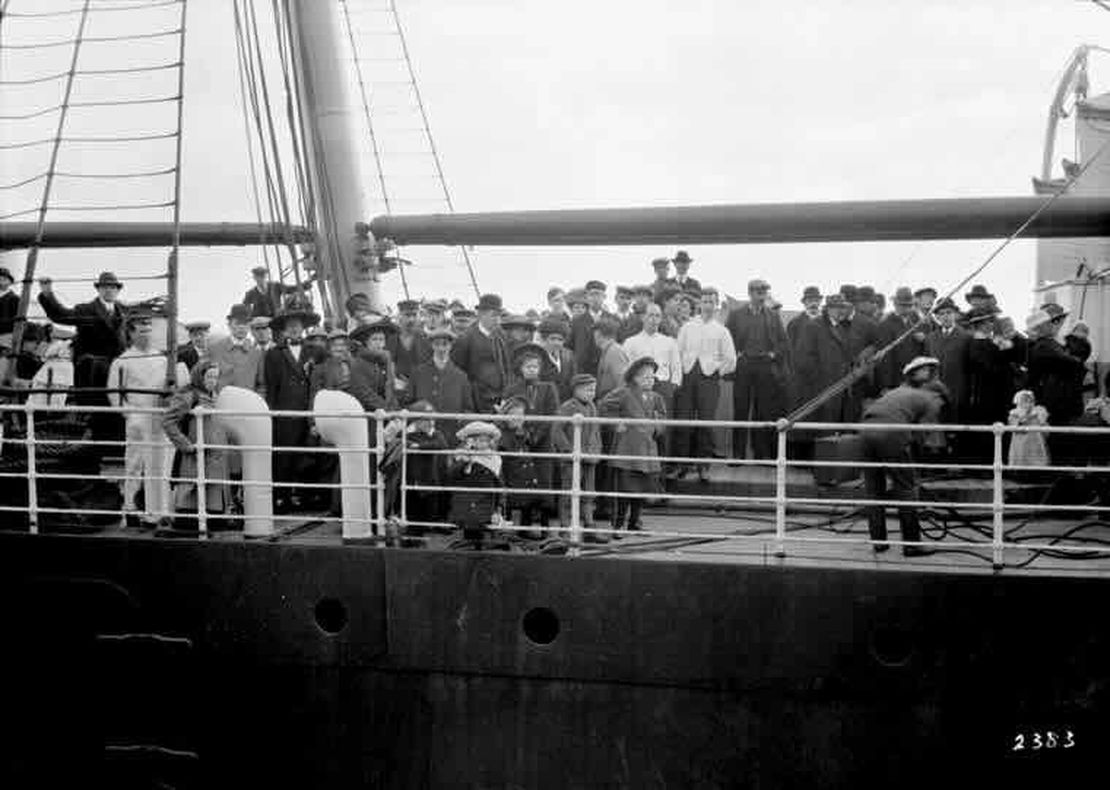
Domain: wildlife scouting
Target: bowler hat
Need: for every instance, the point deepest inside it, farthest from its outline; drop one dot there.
(903, 297)
(758, 285)
(836, 300)
(239, 312)
(595, 285)
(490, 302)
(919, 362)
(928, 289)
(637, 366)
(865, 293)
(945, 304)
(682, 257)
(848, 292)
(1054, 310)
(357, 302)
(978, 292)
(554, 326)
(258, 271)
(197, 326)
(581, 380)
(306, 317)
(811, 292)
(408, 306)
(107, 279)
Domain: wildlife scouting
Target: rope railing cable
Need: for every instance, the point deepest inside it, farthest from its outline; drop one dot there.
(283, 50)
(24, 182)
(40, 226)
(92, 10)
(428, 134)
(172, 263)
(375, 148)
(127, 69)
(92, 40)
(863, 369)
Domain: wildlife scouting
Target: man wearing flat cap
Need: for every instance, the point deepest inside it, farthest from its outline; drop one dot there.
(197, 348)
(762, 359)
(100, 338)
(482, 353)
(581, 340)
(682, 278)
(408, 346)
(265, 298)
(662, 278)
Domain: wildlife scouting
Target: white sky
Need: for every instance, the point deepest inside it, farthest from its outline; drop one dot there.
(573, 104)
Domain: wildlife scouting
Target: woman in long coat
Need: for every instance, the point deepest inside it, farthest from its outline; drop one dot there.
(1056, 379)
(181, 428)
(638, 468)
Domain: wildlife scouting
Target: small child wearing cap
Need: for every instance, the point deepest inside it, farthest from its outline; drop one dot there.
(584, 387)
(1028, 449)
(520, 441)
(477, 466)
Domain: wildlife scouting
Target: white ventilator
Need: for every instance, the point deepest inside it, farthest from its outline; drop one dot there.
(250, 427)
(349, 431)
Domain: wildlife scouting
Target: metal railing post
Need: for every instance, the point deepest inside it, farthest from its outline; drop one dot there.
(780, 489)
(404, 468)
(576, 485)
(997, 510)
(32, 483)
(202, 475)
(379, 454)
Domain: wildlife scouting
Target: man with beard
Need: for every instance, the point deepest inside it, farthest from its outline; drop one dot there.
(811, 310)
(829, 350)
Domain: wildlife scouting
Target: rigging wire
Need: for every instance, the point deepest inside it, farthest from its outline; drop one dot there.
(172, 288)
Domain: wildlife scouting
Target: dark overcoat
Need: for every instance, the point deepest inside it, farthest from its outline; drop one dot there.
(888, 372)
(825, 354)
(559, 376)
(636, 439)
(485, 360)
(448, 391)
(952, 350)
(1056, 378)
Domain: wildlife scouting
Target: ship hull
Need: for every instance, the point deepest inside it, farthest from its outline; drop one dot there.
(295, 665)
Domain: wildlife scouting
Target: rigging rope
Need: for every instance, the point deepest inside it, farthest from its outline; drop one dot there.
(40, 226)
(863, 369)
(172, 288)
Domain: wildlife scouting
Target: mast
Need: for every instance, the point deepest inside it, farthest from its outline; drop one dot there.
(333, 163)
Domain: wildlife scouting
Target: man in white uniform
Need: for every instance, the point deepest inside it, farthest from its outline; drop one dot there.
(147, 452)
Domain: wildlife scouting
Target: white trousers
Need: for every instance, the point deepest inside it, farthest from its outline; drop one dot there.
(146, 456)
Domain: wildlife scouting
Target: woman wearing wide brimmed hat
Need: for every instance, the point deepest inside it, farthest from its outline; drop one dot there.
(1055, 376)
(638, 468)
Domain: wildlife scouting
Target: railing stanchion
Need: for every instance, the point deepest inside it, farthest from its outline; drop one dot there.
(32, 484)
(780, 489)
(576, 486)
(379, 488)
(404, 468)
(997, 509)
(202, 476)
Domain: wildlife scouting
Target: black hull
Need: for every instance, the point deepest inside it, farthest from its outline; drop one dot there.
(662, 674)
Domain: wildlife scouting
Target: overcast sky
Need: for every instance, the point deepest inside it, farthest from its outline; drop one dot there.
(656, 102)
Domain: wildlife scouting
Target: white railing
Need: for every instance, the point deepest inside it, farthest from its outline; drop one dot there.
(994, 545)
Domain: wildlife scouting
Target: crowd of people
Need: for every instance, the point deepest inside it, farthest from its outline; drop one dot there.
(658, 350)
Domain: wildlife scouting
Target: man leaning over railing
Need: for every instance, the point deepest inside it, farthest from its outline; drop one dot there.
(918, 400)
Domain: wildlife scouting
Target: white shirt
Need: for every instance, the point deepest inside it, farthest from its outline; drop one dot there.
(109, 306)
(708, 344)
(135, 369)
(661, 348)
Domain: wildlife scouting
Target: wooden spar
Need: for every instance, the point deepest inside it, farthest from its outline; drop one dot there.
(16, 235)
(767, 223)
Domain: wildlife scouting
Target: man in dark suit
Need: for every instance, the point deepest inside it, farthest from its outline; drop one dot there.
(557, 365)
(192, 352)
(265, 298)
(581, 341)
(811, 304)
(440, 382)
(100, 338)
(285, 371)
(481, 352)
(762, 354)
(898, 323)
(827, 350)
(663, 280)
(682, 278)
(408, 346)
(951, 346)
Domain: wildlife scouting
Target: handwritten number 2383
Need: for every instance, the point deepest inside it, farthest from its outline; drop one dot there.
(1047, 740)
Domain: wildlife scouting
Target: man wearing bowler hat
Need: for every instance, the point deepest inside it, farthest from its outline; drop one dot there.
(682, 261)
(951, 345)
(811, 309)
(482, 353)
(902, 323)
(100, 326)
(239, 357)
(265, 298)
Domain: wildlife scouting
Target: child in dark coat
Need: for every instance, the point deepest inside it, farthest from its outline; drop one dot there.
(477, 467)
(584, 387)
(521, 469)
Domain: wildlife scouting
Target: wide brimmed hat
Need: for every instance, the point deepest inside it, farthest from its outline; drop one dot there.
(478, 428)
(904, 297)
(239, 312)
(1037, 319)
(919, 362)
(554, 326)
(522, 352)
(107, 279)
(490, 302)
(505, 406)
(637, 366)
(928, 289)
(978, 292)
(442, 333)
(682, 257)
(1055, 311)
(945, 304)
(306, 317)
(362, 332)
(811, 292)
(517, 320)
